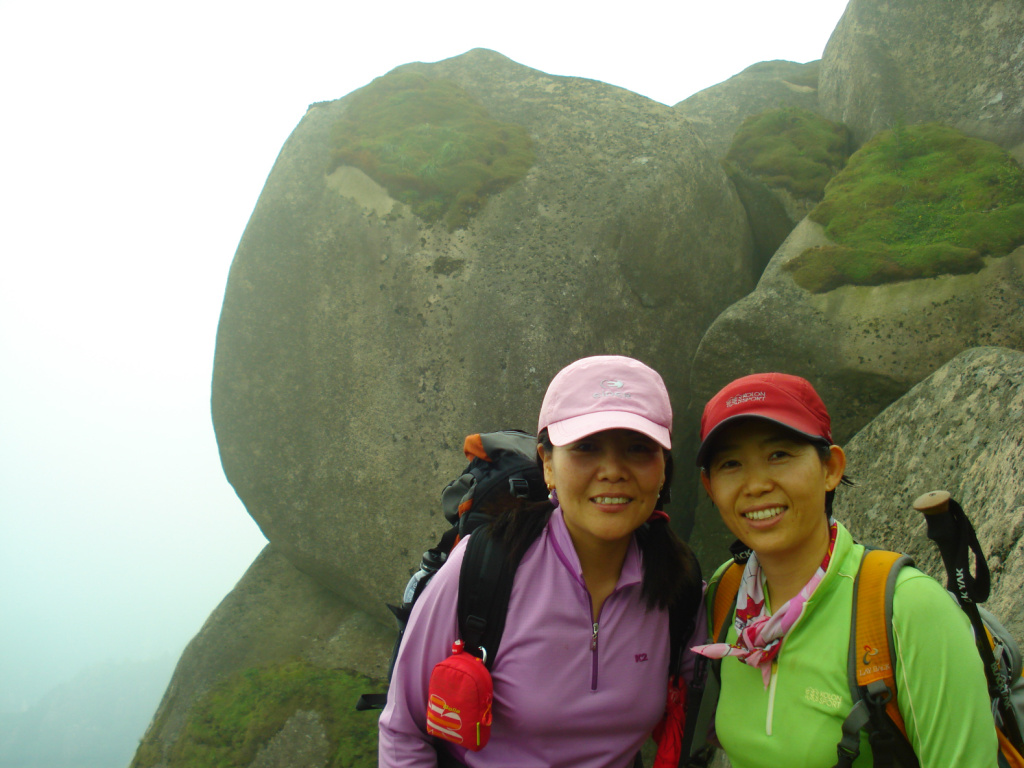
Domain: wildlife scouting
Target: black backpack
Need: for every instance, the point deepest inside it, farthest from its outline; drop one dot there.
(501, 465)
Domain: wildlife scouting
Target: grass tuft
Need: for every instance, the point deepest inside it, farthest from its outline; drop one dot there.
(228, 726)
(431, 145)
(914, 202)
(790, 148)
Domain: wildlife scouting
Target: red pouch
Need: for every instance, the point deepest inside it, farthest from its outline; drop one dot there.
(669, 732)
(459, 700)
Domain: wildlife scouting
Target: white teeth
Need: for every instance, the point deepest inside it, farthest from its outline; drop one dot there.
(611, 499)
(764, 514)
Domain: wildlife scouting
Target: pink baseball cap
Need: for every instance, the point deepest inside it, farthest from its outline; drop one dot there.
(606, 392)
(777, 397)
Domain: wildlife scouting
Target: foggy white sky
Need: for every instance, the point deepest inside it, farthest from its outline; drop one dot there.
(136, 137)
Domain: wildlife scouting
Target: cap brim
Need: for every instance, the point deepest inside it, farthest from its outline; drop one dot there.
(706, 443)
(577, 427)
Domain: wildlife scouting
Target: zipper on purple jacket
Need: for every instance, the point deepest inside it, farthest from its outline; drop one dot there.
(593, 656)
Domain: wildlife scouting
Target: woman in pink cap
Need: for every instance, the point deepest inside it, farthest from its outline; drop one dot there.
(583, 666)
(769, 464)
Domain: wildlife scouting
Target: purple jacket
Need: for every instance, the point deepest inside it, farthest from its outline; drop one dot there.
(564, 694)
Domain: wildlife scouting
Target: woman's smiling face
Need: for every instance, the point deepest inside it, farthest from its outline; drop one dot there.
(607, 483)
(769, 485)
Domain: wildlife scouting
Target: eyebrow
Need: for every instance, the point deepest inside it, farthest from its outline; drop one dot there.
(774, 438)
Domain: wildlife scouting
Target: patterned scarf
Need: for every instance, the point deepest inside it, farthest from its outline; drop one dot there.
(759, 635)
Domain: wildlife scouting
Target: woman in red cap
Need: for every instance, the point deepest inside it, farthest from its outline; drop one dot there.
(769, 464)
(583, 666)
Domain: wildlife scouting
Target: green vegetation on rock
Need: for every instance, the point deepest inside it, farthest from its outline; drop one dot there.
(227, 727)
(431, 145)
(916, 201)
(790, 148)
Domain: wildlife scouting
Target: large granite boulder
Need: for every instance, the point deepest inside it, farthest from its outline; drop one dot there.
(717, 112)
(276, 621)
(861, 346)
(959, 430)
(958, 62)
(359, 344)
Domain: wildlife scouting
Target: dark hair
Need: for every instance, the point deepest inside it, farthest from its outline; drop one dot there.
(671, 572)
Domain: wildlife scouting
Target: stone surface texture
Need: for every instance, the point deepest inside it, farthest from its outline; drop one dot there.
(717, 112)
(301, 743)
(959, 62)
(862, 346)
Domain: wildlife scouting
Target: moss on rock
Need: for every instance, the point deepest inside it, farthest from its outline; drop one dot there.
(230, 724)
(431, 145)
(916, 201)
(790, 148)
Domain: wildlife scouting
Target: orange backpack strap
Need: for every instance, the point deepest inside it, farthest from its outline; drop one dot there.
(871, 669)
(725, 599)
(871, 628)
(702, 690)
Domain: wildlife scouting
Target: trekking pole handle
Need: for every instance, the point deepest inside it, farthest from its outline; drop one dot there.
(950, 529)
(932, 503)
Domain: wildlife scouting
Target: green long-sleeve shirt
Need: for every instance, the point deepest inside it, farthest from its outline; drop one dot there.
(796, 721)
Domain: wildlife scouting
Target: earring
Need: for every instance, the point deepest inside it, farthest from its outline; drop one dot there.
(553, 495)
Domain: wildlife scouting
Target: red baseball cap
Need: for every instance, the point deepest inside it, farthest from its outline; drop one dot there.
(777, 397)
(606, 392)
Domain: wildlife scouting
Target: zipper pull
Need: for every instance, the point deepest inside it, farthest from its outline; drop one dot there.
(593, 639)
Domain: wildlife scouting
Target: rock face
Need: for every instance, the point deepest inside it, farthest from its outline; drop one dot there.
(959, 62)
(780, 162)
(302, 743)
(358, 345)
(772, 213)
(717, 112)
(861, 346)
(274, 615)
(960, 430)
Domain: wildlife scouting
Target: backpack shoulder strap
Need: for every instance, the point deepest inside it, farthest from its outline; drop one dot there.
(724, 600)
(702, 693)
(485, 585)
(871, 627)
(872, 674)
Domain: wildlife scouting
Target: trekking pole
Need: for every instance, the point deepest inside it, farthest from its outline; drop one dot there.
(950, 529)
